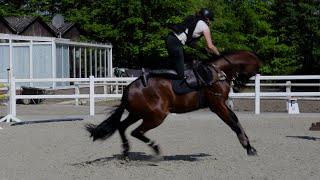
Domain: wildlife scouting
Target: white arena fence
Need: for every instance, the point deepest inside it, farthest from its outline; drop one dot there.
(288, 94)
(92, 82)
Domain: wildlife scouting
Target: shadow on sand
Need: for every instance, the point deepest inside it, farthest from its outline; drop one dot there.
(305, 137)
(142, 157)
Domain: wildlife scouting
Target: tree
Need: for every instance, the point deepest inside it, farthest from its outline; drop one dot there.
(136, 28)
(247, 25)
(8, 7)
(284, 33)
(298, 27)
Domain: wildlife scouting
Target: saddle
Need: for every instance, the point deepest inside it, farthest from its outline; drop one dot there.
(197, 75)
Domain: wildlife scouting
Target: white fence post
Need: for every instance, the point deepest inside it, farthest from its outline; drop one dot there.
(13, 100)
(257, 94)
(91, 95)
(77, 92)
(229, 101)
(288, 87)
(288, 90)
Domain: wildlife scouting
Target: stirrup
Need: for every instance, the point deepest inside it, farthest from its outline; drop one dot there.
(183, 80)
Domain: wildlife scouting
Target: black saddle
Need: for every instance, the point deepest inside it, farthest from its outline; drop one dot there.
(197, 75)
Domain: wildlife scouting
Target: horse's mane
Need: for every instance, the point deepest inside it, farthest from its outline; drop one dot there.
(214, 58)
(236, 52)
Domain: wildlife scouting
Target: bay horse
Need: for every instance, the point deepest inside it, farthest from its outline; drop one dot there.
(155, 100)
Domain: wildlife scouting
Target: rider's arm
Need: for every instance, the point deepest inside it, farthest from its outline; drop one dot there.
(210, 46)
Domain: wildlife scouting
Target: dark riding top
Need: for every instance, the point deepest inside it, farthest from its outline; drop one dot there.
(188, 27)
(186, 33)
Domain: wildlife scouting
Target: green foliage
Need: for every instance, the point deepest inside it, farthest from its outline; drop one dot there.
(136, 28)
(298, 25)
(284, 33)
(253, 25)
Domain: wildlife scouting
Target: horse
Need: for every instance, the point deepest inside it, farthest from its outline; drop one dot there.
(153, 101)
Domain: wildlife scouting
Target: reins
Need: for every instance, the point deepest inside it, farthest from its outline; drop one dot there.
(211, 65)
(232, 67)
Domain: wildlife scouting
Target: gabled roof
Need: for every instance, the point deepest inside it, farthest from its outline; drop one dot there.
(8, 24)
(63, 29)
(21, 23)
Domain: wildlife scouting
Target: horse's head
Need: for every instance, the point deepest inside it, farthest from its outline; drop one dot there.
(239, 66)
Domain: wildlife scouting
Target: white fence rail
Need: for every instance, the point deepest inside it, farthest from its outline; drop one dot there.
(91, 96)
(91, 82)
(257, 94)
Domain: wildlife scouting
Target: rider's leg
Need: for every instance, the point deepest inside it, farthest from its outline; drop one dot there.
(179, 62)
(175, 50)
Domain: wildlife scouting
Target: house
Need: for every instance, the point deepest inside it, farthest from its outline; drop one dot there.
(35, 26)
(32, 48)
(26, 25)
(66, 30)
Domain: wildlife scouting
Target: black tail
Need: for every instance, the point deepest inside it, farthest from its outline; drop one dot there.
(110, 125)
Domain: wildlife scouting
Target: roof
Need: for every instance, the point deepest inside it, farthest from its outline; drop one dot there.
(20, 23)
(8, 24)
(63, 29)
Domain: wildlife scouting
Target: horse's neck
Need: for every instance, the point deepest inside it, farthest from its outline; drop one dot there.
(240, 62)
(229, 68)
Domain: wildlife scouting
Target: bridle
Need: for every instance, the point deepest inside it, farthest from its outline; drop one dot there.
(236, 75)
(222, 75)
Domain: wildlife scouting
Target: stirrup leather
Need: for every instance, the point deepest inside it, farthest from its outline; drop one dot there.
(144, 78)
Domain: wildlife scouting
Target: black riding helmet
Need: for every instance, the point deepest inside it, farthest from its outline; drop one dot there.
(206, 13)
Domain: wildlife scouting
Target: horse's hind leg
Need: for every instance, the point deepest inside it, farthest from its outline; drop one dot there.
(229, 117)
(146, 125)
(122, 128)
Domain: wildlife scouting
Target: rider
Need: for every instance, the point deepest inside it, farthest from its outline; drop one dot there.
(187, 33)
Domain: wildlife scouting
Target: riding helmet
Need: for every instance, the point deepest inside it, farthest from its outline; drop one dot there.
(206, 13)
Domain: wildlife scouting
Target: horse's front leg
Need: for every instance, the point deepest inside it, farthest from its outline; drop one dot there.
(229, 117)
(243, 138)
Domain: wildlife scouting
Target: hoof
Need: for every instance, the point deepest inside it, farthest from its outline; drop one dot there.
(126, 149)
(125, 154)
(156, 150)
(252, 151)
(125, 157)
